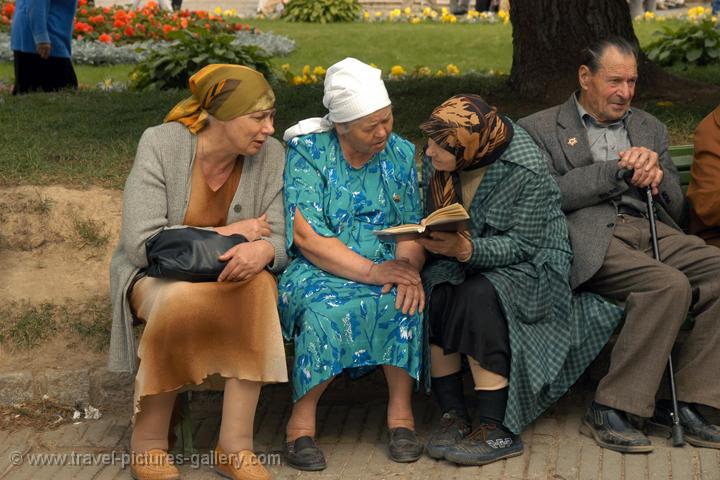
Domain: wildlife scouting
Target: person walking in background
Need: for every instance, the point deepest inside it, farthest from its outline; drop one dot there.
(639, 7)
(459, 7)
(40, 39)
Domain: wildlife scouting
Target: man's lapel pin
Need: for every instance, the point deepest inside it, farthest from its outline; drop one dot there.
(572, 141)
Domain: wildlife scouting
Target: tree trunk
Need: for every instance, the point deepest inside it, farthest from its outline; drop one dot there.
(548, 36)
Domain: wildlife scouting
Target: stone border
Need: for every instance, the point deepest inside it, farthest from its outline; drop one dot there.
(94, 386)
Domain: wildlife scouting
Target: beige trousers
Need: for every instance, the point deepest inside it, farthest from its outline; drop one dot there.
(657, 298)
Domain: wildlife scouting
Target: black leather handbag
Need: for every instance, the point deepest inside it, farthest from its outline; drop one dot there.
(188, 254)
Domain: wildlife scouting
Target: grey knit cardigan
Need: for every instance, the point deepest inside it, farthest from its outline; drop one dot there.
(156, 196)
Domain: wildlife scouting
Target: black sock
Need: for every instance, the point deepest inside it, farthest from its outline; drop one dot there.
(449, 393)
(491, 405)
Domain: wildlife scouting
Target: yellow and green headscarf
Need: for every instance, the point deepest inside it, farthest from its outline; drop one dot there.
(225, 92)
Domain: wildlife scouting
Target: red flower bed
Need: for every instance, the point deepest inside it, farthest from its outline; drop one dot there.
(117, 25)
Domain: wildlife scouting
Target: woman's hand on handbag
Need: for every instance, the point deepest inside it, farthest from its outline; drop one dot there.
(250, 228)
(245, 260)
(449, 244)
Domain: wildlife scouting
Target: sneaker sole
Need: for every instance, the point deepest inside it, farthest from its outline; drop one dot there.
(462, 460)
(586, 430)
(659, 430)
(438, 453)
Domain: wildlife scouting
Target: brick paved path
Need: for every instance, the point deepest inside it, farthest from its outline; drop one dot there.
(351, 431)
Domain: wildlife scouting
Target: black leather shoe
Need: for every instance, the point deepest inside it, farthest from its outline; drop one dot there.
(697, 431)
(486, 444)
(611, 429)
(304, 454)
(404, 446)
(452, 428)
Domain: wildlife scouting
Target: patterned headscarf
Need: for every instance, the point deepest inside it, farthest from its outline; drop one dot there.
(225, 92)
(466, 126)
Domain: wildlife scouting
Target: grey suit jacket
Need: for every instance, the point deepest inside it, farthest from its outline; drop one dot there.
(588, 188)
(156, 196)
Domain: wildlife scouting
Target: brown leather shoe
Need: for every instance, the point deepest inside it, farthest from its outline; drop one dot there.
(155, 464)
(243, 465)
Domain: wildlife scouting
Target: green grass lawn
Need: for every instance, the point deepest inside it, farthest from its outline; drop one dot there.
(90, 137)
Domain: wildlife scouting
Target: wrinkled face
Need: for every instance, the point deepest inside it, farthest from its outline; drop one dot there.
(248, 133)
(368, 135)
(607, 93)
(442, 160)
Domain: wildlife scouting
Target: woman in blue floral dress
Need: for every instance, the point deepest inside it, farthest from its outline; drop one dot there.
(348, 300)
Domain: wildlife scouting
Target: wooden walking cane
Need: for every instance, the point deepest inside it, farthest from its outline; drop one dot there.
(677, 431)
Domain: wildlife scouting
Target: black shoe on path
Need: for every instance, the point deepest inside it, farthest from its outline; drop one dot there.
(611, 429)
(697, 431)
(304, 454)
(404, 446)
(452, 428)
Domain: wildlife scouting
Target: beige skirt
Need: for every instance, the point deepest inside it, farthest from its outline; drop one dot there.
(194, 331)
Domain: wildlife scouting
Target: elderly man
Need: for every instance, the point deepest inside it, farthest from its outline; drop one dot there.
(704, 189)
(588, 140)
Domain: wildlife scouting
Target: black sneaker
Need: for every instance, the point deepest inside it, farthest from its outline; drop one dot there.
(452, 428)
(611, 429)
(697, 431)
(404, 446)
(486, 444)
(304, 454)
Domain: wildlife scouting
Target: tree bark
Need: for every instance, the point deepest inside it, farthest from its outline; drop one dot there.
(548, 36)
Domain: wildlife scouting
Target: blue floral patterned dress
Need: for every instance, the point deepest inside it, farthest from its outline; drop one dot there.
(337, 323)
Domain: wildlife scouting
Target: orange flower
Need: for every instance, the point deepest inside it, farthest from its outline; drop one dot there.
(82, 3)
(81, 27)
(83, 11)
(167, 29)
(129, 32)
(183, 22)
(118, 24)
(105, 38)
(117, 37)
(97, 19)
(8, 9)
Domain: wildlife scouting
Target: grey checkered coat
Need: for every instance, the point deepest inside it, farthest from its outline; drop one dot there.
(520, 243)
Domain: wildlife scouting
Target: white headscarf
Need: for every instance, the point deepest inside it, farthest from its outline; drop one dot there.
(353, 90)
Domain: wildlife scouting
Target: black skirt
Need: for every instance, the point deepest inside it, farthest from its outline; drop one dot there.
(468, 319)
(32, 73)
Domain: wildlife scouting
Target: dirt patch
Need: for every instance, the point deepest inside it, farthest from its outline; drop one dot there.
(55, 249)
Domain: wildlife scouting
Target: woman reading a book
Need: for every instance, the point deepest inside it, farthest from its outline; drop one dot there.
(350, 301)
(498, 292)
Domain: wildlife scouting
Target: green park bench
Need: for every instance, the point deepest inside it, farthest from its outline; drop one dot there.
(682, 157)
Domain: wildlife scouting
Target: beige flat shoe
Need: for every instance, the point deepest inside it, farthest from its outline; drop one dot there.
(155, 464)
(242, 465)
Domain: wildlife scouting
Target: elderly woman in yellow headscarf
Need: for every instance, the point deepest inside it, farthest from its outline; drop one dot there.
(212, 164)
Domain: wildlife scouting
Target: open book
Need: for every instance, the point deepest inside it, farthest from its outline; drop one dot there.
(452, 218)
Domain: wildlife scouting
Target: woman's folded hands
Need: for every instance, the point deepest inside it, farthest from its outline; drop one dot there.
(250, 228)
